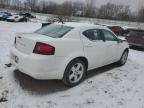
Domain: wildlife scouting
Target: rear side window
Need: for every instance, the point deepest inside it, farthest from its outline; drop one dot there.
(109, 36)
(93, 34)
(53, 30)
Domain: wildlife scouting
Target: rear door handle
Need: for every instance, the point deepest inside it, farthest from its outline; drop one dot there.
(88, 45)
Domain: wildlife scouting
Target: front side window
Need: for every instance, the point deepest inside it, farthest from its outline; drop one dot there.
(92, 34)
(53, 30)
(109, 36)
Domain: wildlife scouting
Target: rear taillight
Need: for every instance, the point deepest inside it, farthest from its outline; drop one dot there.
(44, 49)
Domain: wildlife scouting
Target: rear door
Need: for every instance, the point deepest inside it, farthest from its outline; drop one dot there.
(94, 47)
(112, 47)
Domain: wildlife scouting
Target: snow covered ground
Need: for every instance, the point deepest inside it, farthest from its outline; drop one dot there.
(106, 87)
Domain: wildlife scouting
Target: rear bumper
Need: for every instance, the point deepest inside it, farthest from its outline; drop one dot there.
(37, 66)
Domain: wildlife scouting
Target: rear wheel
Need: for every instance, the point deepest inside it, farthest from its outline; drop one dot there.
(123, 59)
(74, 73)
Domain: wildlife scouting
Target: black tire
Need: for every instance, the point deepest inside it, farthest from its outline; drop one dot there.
(68, 71)
(121, 62)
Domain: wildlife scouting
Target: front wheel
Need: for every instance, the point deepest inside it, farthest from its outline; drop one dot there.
(74, 73)
(123, 59)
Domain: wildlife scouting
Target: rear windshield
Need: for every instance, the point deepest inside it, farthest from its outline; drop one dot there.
(55, 31)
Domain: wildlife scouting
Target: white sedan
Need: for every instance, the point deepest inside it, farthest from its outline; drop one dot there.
(17, 18)
(67, 51)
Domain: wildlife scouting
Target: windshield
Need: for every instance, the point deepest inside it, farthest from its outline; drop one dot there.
(53, 30)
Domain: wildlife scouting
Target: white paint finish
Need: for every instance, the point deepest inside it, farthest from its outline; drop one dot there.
(94, 52)
(15, 18)
(67, 48)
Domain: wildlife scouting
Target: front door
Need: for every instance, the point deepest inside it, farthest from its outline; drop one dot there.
(112, 47)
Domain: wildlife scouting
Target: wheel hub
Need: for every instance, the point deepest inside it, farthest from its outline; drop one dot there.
(76, 73)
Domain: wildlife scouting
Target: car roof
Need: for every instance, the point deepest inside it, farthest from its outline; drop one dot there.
(78, 25)
(110, 25)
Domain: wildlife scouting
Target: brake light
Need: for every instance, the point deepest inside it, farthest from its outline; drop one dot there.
(44, 49)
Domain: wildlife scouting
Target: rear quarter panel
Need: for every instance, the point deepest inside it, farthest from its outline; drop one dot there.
(68, 49)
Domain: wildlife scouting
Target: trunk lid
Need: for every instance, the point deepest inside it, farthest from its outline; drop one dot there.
(25, 43)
